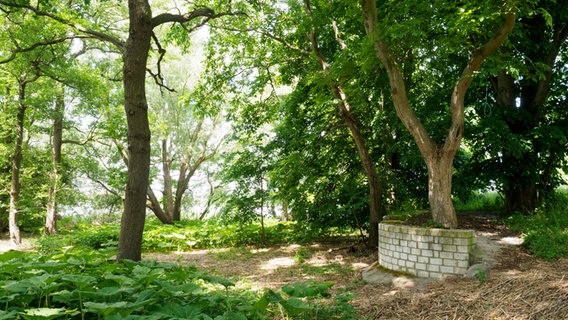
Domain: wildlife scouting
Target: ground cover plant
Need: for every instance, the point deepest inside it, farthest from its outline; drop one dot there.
(83, 284)
(546, 231)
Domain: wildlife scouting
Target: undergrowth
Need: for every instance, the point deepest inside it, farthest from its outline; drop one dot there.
(187, 235)
(82, 284)
(546, 231)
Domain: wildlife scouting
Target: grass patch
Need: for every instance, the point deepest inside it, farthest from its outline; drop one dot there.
(486, 201)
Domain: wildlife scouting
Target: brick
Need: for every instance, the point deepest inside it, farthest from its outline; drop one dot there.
(446, 241)
(447, 255)
(433, 268)
(409, 264)
(461, 241)
(423, 259)
(462, 264)
(436, 246)
(415, 252)
(463, 249)
(412, 257)
(450, 263)
(406, 250)
(420, 266)
(461, 256)
(403, 256)
(427, 253)
(412, 244)
(404, 243)
(436, 261)
(447, 270)
(449, 248)
(423, 245)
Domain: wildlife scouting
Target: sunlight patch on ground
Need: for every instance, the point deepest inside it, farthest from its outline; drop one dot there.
(192, 252)
(359, 265)
(320, 260)
(290, 248)
(511, 240)
(281, 262)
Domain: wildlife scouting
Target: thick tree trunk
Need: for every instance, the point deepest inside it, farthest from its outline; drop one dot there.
(56, 143)
(136, 108)
(440, 190)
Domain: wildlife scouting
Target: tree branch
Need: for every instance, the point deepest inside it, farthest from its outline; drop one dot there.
(36, 45)
(95, 34)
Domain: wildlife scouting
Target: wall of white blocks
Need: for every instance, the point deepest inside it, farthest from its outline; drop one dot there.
(425, 252)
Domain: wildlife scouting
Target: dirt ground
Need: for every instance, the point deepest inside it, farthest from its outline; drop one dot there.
(518, 285)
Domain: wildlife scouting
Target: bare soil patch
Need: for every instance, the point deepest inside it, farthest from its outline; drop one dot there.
(518, 285)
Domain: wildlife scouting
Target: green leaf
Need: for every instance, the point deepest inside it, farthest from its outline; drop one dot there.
(295, 306)
(7, 315)
(12, 254)
(80, 281)
(43, 313)
(307, 289)
(179, 312)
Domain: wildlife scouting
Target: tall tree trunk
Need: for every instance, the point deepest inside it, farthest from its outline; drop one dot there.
(439, 186)
(136, 108)
(15, 238)
(56, 143)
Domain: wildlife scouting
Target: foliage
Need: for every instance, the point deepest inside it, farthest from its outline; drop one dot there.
(80, 284)
(480, 201)
(188, 234)
(545, 231)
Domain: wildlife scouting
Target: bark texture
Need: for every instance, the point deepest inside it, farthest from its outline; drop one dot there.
(136, 108)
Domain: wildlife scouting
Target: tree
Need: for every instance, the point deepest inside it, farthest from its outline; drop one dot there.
(438, 156)
(135, 51)
(302, 47)
(188, 130)
(522, 99)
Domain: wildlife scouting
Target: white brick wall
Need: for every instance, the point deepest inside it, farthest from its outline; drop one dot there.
(424, 252)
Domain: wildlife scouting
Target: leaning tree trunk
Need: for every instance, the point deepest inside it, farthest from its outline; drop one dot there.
(136, 108)
(56, 143)
(375, 209)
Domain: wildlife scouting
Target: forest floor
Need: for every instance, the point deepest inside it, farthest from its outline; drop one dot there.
(518, 286)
